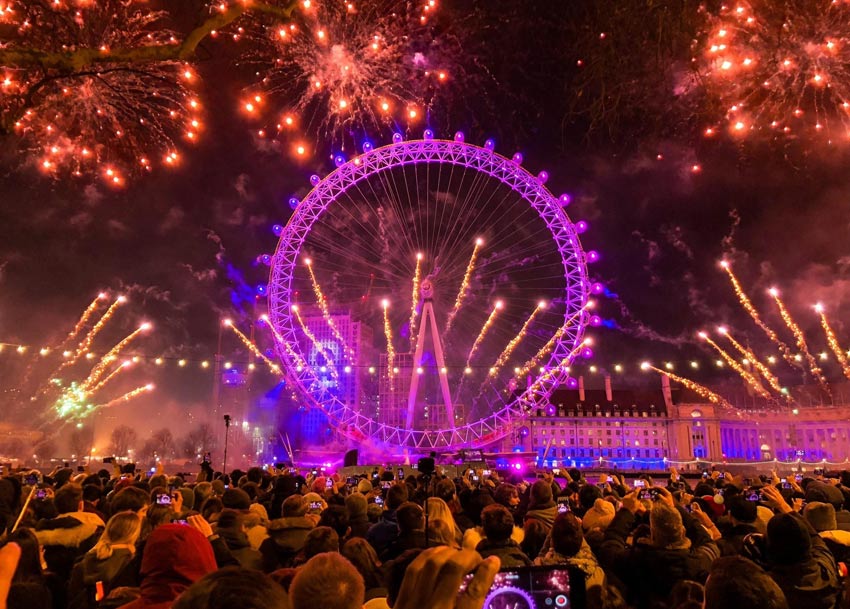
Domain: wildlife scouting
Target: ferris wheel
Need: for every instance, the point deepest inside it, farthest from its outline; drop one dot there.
(427, 293)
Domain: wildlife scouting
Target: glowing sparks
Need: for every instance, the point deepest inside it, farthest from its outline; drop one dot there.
(388, 334)
(755, 361)
(781, 70)
(300, 363)
(700, 390)
(252, 347)
(123, 399)
(745, 374)
(815, 370)
(487, 325)
(85, 344)
(514, 342)
(417, 275)
(112, 355)
(323, 307)
(84, 318)
(123, 366)
(464, 286)
(329, 362)
(526, 368)
(840, 353)
(351, 65)
(745, 301)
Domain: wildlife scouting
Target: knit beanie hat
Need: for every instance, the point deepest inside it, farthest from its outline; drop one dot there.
(599, 516)
(355, 505)
(826, 493)
(666, 526)
(236, 499)
(715, 504)
(788, 542)
(188, 497)
(364, 486)
(821, 516)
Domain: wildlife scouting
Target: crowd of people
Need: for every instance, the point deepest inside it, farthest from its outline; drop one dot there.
(269, 538)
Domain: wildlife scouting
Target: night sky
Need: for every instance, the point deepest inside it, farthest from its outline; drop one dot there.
(182, 243)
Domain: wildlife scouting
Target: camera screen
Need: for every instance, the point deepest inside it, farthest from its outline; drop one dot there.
(640, 483)
(315, 505)
(163, 499)
(528, 588)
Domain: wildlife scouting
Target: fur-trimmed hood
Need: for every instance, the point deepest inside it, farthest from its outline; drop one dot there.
(68, 530)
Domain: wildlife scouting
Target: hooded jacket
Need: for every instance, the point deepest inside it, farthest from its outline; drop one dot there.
(508, 551)
(384, 532)
(176, 556)
(90, 570)
(286, 539)
(838, 542)
(650, 572)
(732, 542)
(67, 537)
(240, 547)
(584, 560)
(545, 514)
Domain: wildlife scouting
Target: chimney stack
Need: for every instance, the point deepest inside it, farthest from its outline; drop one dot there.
(668, 395)
(609, 394)
(581, 388)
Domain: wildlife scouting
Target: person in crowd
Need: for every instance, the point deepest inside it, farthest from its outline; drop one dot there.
(384, 532)
(360, 554)
(541, 506)
(798, 559)
(439, 510)
(821, 517)
(498, 523)
(30, 587)
(534, 538)
(735, 581)
(68, 536)
(231, 528)
(92, 577)
(411, 531)
(596, 519)
(678, 548)
(568, 547)
(233, 587)
(742, 515)
(356, 507)
(286, 534)
(336, 517)
(823, 492)
(447, 491)
(176, 556)
(328, 581)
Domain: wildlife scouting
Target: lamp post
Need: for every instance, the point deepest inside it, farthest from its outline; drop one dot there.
(226, 436)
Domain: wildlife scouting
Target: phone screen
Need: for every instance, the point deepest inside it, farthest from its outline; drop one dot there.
(640, 483)
(163, 499)
(533, 587)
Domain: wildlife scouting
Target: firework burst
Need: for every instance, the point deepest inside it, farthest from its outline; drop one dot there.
(340, 67)
(83, 90)
(802, 344)
(781, 68)
(700, 390)
(840, 355)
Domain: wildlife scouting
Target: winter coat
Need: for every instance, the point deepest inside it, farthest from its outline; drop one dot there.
(66, 538)
(732, 542)
(176, 556)
(286, 539)
(546, 515)
(384, 532)
(90, 570)
(239, 546)
(584, 560)
(472, 537)
(838, 543)
(408, 540)
(509, 552)
(359, 526)
(812, 583)
(649, 572)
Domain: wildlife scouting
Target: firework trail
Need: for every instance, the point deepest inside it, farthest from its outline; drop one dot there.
(247, 342)
(388, 333)
(112, 355)
(833, 341)
(487, 324)
(551, 342)
(815, 370)
(514, 342)
(127, 396)
(700, 390)
(289, 350)
(84, 319)
(84, 345)
(312, 338)
(323, 306)
(784, 349)
(72, 403)
(107, 378)
(547, 375)
(745, 374)
(747, 353)
(464, 286)
(417, 275)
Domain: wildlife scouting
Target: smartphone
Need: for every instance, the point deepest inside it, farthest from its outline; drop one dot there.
(163, 499)
(818, 471)
(487, 472)
(400, 473)
(41, 494)
(297, 486)
(609, 479)
(547, 586)
(556, 471)
(721, 475)
(784, 482)
(563, 505)
(386, 484)
(706, 475)
(754, 496)
(475, 478)
(179, 521)
(315, 505)
(798, 478)
(640, 483)
(602, 485)
(31, 480)
(375, 475)
(314, 472)
(329, 483)
(379, 500)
